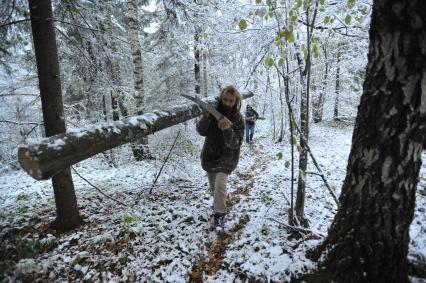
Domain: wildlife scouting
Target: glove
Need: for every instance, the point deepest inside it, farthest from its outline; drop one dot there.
(224, 123)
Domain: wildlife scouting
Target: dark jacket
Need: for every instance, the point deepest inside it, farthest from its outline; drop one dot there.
(221, 150)
(251, 114)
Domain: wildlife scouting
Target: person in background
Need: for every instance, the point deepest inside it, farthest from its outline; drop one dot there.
(221, 150)
(251, 117)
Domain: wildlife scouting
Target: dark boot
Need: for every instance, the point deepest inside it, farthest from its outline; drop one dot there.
(218, 220)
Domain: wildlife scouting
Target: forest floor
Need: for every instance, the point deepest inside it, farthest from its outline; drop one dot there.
(165, 236)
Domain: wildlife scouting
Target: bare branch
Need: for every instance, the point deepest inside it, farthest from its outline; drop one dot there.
(165, 161)
(99, 190)
(21, 123)
(18, 94)
(11, 12)
(15, 22)
(298, 229)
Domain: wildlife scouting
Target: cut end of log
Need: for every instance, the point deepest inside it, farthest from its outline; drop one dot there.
(29, 163)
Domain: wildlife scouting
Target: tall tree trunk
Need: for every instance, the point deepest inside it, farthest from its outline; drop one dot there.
(140, 147)
(282, 133)
(304, 122)
(336, 100)
(104, 108)
(114, 106)
(205, 77)
(109, 155)
(318, 102)
(369, 237)
(291, 121)
(271, 102)
(197, 56)
(282, 116)
(111, 64)
(133, 36)
(303, 153)
(67, 215)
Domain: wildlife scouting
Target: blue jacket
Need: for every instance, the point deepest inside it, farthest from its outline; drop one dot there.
(251, 114)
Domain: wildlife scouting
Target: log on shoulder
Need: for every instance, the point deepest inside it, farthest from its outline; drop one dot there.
(46, 157)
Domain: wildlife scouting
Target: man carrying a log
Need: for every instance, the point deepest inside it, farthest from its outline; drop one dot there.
(221, 150)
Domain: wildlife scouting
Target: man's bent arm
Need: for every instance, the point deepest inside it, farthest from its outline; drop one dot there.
(203, 126)
(256, 114)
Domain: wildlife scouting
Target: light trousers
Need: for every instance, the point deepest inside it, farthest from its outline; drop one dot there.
(217, 186)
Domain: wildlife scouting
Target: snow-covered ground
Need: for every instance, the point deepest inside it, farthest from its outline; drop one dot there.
(164, 235)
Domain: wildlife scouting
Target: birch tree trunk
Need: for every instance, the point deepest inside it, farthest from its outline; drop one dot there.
(304, 122)
(292, 140)
(133, 35)
(140, 145)
(111, 64)
(369, 237)
(336, 100)
(197, 62)
(318, 102)
(67, 215)
(112, 67)
(303, 153)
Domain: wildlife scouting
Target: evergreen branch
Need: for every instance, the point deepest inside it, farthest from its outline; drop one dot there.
(89, 60)
(90, 28)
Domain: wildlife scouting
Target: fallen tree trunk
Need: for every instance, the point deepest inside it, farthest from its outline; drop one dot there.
(46, 157)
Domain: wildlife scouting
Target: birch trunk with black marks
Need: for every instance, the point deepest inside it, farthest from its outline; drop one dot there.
(369, 237)
(304, 121)
(133, 37)
(303, 153)
(336, 100)
(292, 141)
(197, 61)
(111, 64)
(140, 147)
(67, 215)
